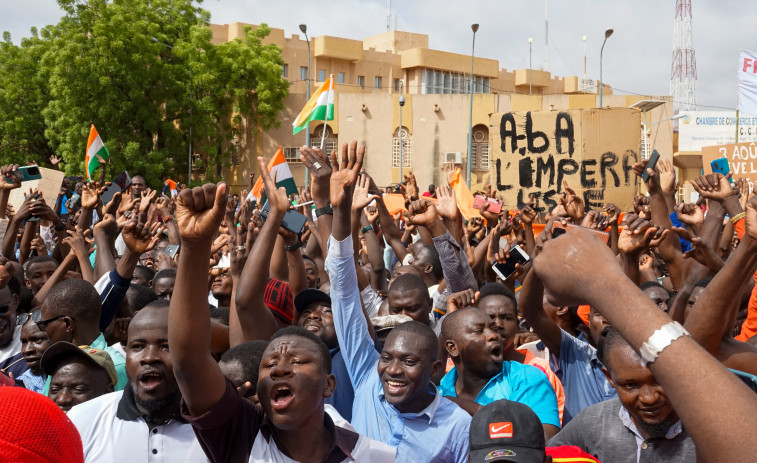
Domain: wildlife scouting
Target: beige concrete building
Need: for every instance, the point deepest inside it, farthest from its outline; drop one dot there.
(369, 74)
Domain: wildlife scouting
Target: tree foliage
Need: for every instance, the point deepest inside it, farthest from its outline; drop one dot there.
(143, 72)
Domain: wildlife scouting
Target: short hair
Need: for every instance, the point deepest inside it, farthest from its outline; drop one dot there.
(497, 289)
(145, 272)
(248, 354)
(451, 324)
(436, 263)
(702, 283)
(220, 314)
(165, 273)
(419, 329)
(408, 282)
(609, 340)
(15, 286)
(76, 298)
(138, 296)
(653, 284)
(37, 260)
(158, 304)
(299, 332)
(306, 257)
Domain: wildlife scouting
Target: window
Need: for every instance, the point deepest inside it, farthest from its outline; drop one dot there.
(292, 154)
(329, 140)
(285, 70)
(321, 75)
(377, 82)
(480, 147)
(303, 73)
(361, 81)
(340, 78)
(444, 82)
(407, 149)
(396, 85)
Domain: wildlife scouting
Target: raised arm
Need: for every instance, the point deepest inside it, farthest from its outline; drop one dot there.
(255, 320)
(320, 168)
(199, 213)
(531, 306)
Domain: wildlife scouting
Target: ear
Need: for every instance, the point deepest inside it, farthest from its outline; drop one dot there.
(562, 310)
(70, 324)
(608, 376)
(330, 386)
(451, 347)
(436, 368)
(428, 269)
(27, 283)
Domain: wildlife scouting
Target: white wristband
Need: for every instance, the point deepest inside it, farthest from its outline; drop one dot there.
(660, 340)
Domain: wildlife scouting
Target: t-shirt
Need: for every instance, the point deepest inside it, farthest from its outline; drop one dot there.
(236, 430)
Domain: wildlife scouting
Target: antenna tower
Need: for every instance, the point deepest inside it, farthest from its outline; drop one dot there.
(683, 69)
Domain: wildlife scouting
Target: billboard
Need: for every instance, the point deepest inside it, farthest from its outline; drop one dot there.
(532, 152)
(698, 129)
(742, 159)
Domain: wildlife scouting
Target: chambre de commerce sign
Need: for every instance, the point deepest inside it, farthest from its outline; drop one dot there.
(533, 152)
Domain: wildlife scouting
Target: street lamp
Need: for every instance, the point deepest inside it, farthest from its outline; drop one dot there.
(189, 154)
(474, 28)
(608, 33)
(648, 130)
(304, 29)
(402, 148)
(584, 39)
(530, 69)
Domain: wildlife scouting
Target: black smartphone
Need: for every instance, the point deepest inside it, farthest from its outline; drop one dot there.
(293, 220)
(34, 218)
(119, 184)
(651, 162)
(517, 256)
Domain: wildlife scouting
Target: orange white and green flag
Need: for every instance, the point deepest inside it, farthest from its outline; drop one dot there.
(280, 174)
(95, 147)
(320, 107)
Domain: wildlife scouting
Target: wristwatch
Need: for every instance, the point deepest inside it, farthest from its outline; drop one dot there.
(294, 246)
(324, 210)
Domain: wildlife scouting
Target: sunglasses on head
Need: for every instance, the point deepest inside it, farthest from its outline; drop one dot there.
(22, 318)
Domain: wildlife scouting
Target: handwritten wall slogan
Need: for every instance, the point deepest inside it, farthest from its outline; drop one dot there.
(533, 152)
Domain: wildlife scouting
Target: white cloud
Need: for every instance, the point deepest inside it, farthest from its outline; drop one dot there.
(636, 59)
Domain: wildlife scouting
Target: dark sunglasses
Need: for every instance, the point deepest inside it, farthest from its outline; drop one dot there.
(36, 316)
(43, 324)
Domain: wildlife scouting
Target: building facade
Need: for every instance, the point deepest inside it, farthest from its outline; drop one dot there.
(370, 74)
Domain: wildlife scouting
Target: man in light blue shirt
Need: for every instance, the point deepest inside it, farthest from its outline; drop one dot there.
(395, 401)
(481, 375)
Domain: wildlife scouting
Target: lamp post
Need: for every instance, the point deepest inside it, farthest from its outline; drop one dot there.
(530, 68)
(648, 130)
(584, 39)
(189, 154)
(304, 29)
(608, 33)
(474, 28)
(402, 148)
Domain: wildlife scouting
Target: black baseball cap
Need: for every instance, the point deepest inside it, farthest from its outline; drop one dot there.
(506, 431)
(308, 296)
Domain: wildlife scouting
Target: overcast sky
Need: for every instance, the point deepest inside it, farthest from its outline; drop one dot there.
(637, 57)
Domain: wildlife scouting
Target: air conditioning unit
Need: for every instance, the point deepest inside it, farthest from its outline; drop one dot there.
(456, 157)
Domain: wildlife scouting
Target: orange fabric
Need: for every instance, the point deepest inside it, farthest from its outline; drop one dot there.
(749, 327)
(583, 313)
(394, 202)
(259, 188)
(739, 227)
(463, 196)
(543, 365)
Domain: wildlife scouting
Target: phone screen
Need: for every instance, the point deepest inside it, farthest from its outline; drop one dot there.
(517, 256)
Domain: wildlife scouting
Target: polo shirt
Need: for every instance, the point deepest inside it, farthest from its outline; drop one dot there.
(606, 431)
(235, 430)
(113, 430)
(516, 382)
(437, 433)
(580, 372)
(119, 361)
(33, 382)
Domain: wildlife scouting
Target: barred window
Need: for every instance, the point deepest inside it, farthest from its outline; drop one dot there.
(407, 149)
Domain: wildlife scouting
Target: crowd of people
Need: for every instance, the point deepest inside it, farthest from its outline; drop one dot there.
(200, 325)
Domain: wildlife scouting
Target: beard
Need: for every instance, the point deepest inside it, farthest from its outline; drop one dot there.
(156, 405)
(658, 429)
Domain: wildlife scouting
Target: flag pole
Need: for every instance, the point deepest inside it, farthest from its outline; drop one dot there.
(326, 114)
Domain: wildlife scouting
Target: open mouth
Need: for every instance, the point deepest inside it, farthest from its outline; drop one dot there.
(282, 397)
(313, 326)
(4, 325)
(150, 381)
(495, 351)
(394, 387)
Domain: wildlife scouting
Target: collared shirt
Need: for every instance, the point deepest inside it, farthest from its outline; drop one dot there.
(343, 396)
(235, 430)
(118, 361)
(13, 348)
(516, 382)
(580, 372)
(33, 382)
(606, 431)
(438, 433)
(113, 430)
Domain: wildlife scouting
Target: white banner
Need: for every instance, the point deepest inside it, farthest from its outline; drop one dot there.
(747, 80)
(708, 128)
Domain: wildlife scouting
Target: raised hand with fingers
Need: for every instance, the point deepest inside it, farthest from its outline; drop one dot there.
(637, 234)
(422, 212)
(90, 195)
(491, 217)
(613, 213)
(690, 214)
(361, 197)
(139, 237)
(345, 175)
(278, 201)
(146, 199)
(700, 251)
(573, 204)
(667, 176)
(461, 300)
(79, 242)
(199, 212)
(714, 186)
(446, 203)
(320, 169)
(528, 213)
(9, 178)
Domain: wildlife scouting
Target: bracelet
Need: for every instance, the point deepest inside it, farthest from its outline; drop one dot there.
(367, 228)
(737, 217)
(167, 218)
(324, 210)
(296, 245)
(660, 340)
